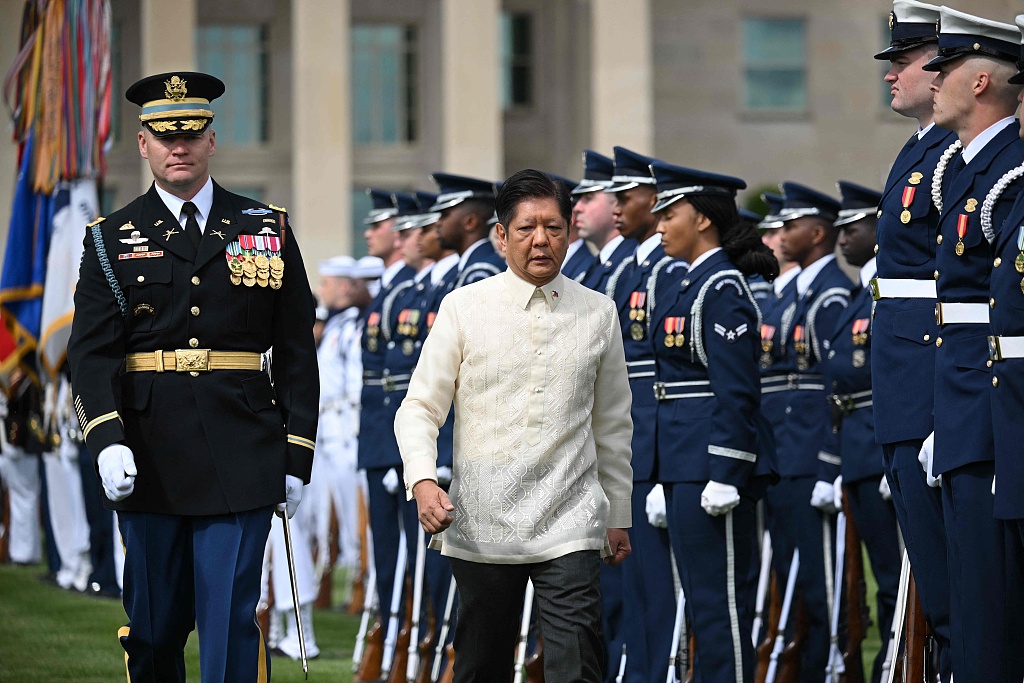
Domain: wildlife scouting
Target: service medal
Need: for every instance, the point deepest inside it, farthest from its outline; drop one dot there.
(802, 363)
(670, 340)
(248, 281)
(959, 248)
(262, 262)
(636, 331)
(371, 344)
(961, 230)
(276, 263)
(275, 283)
(632, 314)
(680, 338)
(249, 269)
(262, 281)
(1018, 263)
(766, 360)
(235, 279)
(235, 266)
(859, 358)
(408, 346)
(905, 216)
(640, 315)
(907, 200)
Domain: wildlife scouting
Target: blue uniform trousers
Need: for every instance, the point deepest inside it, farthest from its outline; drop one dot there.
(385, 509)
(984, 590)
(186, 572)
(649, 593)
(795, 524)
(876, 524)
(717, 561)
(919, 511)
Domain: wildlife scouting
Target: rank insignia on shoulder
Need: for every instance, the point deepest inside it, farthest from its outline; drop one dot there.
(140, 254)
(278, 208)
(915, 178)
(257, 212)
(99, 220)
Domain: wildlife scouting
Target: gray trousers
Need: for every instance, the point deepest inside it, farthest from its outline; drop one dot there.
(568, 604)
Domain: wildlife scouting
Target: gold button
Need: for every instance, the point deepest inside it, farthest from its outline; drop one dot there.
(991, 303)
(995, 381)
(988, 363)
(193, 342)
(927, 337)
(142, 278)
(936, 275)
(195, 310)
(876, 248)
(879, 214)
(273, 401)
(194, 374)
(998, 262)
(938, 239)
(195, 279)
(938, 341)
(977, 46)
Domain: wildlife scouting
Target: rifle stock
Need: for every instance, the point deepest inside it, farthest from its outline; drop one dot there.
(401, 658)
(764, 648)
(373, 654)
(857, 616)
(535, 663)
(917, 631)
(449, 673)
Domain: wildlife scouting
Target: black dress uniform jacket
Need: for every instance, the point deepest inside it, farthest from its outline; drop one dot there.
(218, 441)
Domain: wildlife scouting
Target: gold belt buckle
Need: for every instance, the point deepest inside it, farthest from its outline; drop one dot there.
(875, 294)
(192, 360)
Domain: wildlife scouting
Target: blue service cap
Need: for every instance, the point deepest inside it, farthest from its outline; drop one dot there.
(408, 212)
(383, 206)
(1018, 78)
(631, 170)
(426, 217)
(750, 216)
(493, 220)
(963, 35)
(858, 202)
(676, 182)
(455, 189)
(771, 220)
(912, 24)
(800, 200)
(569, 185)
(597, 173)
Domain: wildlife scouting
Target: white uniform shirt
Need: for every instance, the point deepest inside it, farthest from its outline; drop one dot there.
(542, 424)
(341, 375)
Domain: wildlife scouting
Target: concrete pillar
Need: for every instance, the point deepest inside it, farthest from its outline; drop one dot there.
(10, 30)
(168, 30)
(621, 81)
(471, 88)
(321, 129)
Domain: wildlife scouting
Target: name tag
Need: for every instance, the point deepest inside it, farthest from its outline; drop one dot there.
(143, 254)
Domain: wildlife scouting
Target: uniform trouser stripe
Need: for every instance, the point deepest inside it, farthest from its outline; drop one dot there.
(123, 633)
(262, 669)
(734, 619)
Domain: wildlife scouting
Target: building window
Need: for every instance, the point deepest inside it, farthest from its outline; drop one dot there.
(517, 59)
(774, 65)
(238, 55)
(384, 85)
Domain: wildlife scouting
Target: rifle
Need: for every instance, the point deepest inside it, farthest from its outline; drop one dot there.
(396, 604)
(449, 673)
(917, 631)
(764, 648)
(524, 632)
(890, 669)
(535, 664)
(413, 649)
(401, 657)
(835, 669)
(622, 666)
(857, 616)
(787, 606)
(674, 675)
(426, 647)
(360, 591)
(363, 666)
(763, 581)
(325, 565)
(435, 672)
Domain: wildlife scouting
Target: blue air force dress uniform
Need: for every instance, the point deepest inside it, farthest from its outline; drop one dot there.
(479, 261)
(710, 428)
(1006, 346)
(903, 334)
(761, 288)
(848, 381)
(630, 170)
(981, 593)
(794, 402)
(385, 507)
(647, 579)
(597, 175)
(165, 354)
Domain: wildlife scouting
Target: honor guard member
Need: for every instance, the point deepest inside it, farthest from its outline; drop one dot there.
(794, 401)
(713, 442)
(647, 617)
(761, 288)
(597, 175)
(772, 238)
(1006, 345)
(852, 429)
(180, 293)
(466, 205)
(628, 167)
(974, 99)
(903, 331)
(375, 416)
(592, 213)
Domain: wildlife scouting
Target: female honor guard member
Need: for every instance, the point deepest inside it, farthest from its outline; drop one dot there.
(179, 294)
(706, 345)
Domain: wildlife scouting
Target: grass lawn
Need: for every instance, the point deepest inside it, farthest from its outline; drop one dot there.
(47, 635)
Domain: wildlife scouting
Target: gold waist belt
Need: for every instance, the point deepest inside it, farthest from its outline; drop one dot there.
(193, 360)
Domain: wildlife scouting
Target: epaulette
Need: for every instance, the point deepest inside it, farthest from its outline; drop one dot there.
(96, 222)
(278, 208)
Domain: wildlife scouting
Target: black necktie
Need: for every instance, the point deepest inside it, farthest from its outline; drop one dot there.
(191, 224)
(912, 141)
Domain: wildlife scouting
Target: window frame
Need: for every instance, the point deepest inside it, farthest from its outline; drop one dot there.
(749, 112)
(409, 114)
(263, 122)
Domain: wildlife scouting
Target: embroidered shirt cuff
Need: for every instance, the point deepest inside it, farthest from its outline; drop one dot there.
(620, 514)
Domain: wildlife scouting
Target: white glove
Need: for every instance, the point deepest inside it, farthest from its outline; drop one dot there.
(292, 495)
(883, 488)
(926, 458)
(390, 481)
(655, 506)
(837, 492)
(717, 499)
(823, 497)
(444, 476)
(117, 471)
(993, 484)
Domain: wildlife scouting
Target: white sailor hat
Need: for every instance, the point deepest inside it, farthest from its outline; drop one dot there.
(963, 35)
(912, 24)
(339, 266)
(1018, 78)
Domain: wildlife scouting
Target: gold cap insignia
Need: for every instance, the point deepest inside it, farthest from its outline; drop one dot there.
(892, 20)
(175, 89)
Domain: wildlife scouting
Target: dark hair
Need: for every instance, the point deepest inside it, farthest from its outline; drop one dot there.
(530, 184)
(739, 238)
